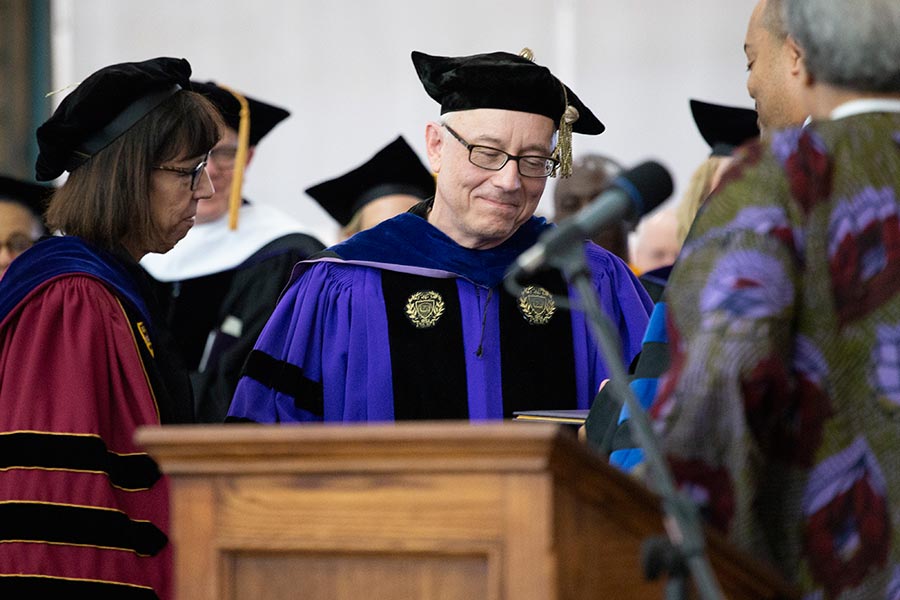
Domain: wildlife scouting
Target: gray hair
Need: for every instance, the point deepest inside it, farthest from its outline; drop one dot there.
(852, 44)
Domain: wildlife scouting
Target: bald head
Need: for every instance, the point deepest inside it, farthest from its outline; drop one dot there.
(656, 241)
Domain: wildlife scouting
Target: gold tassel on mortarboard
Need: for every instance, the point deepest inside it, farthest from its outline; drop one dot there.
(564, 144)
(240, 159)
(563, 151)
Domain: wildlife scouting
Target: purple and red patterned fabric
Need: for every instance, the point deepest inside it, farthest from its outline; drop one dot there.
(779, 413)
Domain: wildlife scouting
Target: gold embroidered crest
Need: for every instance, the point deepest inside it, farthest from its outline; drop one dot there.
(424, 309)
(142, 329)
(536, 305)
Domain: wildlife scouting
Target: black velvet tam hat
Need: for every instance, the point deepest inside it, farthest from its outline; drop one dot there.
(509, 82)
(724, 127)
(32, 196)
(103, 107)
(263, 116)
(395, 169)
(500, 80)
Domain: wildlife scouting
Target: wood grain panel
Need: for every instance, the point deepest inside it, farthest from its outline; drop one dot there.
(431, 511)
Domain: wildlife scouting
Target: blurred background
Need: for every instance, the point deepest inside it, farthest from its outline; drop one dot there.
(343, 70)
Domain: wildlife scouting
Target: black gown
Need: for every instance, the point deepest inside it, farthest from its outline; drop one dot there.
(215, 319)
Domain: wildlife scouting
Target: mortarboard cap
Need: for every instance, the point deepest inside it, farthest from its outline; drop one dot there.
(509, 82)
(263, 116)
(103, 107)
(395, 169)
(32, 196)
(252, 119)
(724, 127)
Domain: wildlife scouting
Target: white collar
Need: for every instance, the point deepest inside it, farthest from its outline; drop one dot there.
(865, 105)
(212, 247)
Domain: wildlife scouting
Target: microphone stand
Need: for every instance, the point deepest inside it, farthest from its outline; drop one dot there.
(683, 548)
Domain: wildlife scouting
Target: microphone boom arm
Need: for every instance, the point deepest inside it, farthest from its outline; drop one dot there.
(682, 520)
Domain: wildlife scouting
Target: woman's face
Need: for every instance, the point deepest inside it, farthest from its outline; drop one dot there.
(172, 202)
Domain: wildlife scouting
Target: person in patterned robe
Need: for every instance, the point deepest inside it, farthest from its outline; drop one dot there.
(780, 414)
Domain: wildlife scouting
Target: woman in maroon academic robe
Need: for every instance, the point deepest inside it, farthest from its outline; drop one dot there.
(83, 511)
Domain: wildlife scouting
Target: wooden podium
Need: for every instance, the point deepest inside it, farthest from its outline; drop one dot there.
(421, 511)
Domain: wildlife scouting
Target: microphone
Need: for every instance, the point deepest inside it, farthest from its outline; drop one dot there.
(631, 195)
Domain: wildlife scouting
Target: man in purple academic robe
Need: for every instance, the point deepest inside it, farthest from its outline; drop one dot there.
(409, 320)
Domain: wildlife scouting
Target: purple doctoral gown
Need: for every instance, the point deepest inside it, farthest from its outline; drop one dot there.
(400, 323)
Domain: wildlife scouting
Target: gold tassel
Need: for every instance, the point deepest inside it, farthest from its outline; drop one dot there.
(563, 150)
(565, 140)
(240, 159)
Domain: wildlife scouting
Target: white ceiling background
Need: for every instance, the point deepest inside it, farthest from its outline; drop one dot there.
(343, 69)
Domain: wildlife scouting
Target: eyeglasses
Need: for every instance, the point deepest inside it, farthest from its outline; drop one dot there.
(17, 243)
(194, 172)
(494, 159)
(223, 157)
